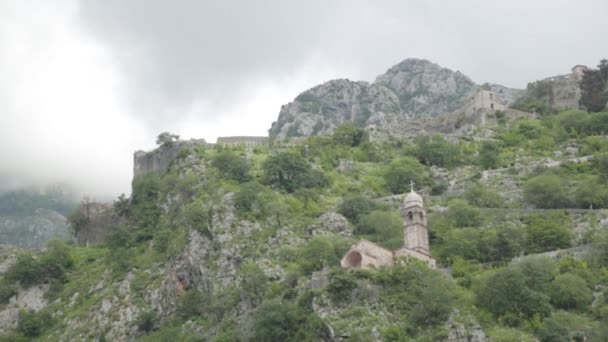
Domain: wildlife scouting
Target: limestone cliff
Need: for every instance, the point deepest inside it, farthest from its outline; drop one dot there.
(412, 89)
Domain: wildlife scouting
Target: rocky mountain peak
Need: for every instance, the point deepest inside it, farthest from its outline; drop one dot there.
(414, 88)
(425, 88)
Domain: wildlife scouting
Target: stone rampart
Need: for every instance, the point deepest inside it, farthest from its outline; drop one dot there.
(159, 159)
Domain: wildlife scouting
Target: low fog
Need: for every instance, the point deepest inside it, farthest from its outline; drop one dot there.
(83, 84)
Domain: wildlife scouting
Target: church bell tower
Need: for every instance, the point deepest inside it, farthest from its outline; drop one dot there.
(415, 233)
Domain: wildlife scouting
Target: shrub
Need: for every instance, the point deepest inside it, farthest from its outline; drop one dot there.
(33, 324)
(6, 291)
(231, 166)
(290, 171)
(253, 283)
(381, 226)
(318, 253)
(144, 210)
(348, 135)
(401, 172)
(424, 295)
(538, 271)
(341, 285)
(49, 266)
(193, 303)
(547, 234)
(198, 217)
(437, 151)
(505, 294)
(275, 321)
(481, 196)
(489, 155)
(353, 208)
(547, 192)
(247, 199)
(463, 215)
(145, 321)
(569, 291)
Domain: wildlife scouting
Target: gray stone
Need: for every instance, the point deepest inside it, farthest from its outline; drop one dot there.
(159, 159)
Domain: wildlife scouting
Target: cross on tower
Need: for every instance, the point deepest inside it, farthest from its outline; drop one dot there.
(411, 185)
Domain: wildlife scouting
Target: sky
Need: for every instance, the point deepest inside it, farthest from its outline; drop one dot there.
(85, 83)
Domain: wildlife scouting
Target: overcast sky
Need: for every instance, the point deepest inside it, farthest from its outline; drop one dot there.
(83, 84)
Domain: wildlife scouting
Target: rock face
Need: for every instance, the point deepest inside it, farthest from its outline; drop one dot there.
(99, 224)
(32, 231)
(159, 159)
(558, 92)
(426, 89)
(319, 110)
(414, 88)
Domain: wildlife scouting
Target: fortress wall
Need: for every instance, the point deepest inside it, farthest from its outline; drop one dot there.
(242, 140)
(159, 159)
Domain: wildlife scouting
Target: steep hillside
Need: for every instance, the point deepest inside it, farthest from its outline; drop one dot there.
(243, 243)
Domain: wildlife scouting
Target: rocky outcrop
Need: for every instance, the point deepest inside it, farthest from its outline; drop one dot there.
(558, 92)
(33, 230)
(161, 158)
(413, 89)
(319, 110)
(426, 89)
(25, 299)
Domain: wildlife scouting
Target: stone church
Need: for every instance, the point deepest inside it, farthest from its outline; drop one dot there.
(368, 255)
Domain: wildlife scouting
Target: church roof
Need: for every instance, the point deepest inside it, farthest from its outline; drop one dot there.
(413, 199)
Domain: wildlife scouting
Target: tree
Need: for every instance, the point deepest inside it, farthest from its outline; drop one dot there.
(231, 166)
(290, 171)
(505, 293)
(166, 138)
(569, 291)
(481, 196)
(33, 324)
(381, 226)
(348, 135)
(546, 191)
(425, 296)
(594, 87)
(353, 208)
(462, 214)
(547, 234)
(488, 155)
(437, 151)
(401, 172)
(253, 283)
(275, 321)
(318, 253)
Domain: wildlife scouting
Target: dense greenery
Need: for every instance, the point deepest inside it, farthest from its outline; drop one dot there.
(270, 269)
(594, 87)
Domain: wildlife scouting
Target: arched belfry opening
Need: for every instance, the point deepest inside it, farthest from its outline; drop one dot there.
(353, 259)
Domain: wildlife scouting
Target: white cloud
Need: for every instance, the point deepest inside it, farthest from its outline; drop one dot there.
(63, 115)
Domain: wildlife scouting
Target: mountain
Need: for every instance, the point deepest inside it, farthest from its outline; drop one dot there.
(416, 97)
(412, 89)
(31, 217)
(266, 242)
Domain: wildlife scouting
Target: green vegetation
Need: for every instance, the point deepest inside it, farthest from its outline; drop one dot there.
(232, 243)
(594, 87)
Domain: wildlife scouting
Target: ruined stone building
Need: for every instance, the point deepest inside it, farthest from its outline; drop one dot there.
(368, 255)
(242, 140)
(487, 100)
